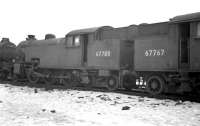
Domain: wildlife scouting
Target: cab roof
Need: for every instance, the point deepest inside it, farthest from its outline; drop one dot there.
(186, 18)
(88, 30)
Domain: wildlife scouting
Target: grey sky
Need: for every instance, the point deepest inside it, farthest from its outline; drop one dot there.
(22, 17)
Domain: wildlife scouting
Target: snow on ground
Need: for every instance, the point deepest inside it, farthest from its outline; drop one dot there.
(24, 106)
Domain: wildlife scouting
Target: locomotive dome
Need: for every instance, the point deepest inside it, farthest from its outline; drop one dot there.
(186, 17)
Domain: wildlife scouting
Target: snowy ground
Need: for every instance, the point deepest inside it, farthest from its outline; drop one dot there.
(24, 106)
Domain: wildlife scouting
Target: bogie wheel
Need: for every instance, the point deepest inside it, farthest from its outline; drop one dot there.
(155, 85)
(49, 79)
(32, 77)
(112, 83)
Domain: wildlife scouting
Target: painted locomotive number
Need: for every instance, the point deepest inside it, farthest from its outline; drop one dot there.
(154, 52)
(103, 53)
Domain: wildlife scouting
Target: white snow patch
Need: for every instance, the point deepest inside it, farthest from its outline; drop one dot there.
(22, 106)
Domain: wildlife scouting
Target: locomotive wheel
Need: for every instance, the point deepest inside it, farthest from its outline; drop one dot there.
(197, 90)
(91, 80)
(49, 80)
(112, 83)
(155, 85)
(14, 78)
(32, 77)
(129, 82)
(2, 76)
(67, 81)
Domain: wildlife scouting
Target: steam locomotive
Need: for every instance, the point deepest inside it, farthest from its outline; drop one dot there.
(159, 58)
(9, 54)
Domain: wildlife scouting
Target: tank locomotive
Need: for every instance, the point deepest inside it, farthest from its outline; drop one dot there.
(160, 57)
(83, 57)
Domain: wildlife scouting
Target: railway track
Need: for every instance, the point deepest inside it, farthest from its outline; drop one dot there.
(140, 93)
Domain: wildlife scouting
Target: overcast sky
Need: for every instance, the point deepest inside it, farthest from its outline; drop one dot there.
(22, 17)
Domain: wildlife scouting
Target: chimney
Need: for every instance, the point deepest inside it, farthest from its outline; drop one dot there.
(31, 37)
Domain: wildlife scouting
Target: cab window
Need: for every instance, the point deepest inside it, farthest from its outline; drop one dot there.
(198, 29)
(76, 41)
(73, 41)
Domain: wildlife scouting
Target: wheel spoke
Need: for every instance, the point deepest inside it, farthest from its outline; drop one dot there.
(32, 77)
(155, 85)
(49, 79)
(112, 83)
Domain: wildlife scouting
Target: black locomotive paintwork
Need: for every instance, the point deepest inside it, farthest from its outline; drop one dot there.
(9, 54)
(159, 57)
